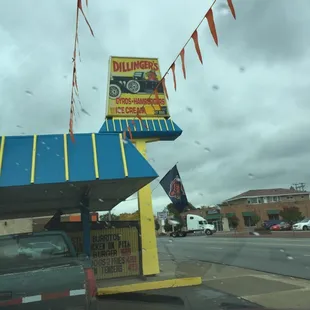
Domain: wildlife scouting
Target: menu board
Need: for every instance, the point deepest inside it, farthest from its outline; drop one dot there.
(114, 252)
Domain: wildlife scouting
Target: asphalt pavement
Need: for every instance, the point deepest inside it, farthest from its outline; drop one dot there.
(190, 298)
(283, 256)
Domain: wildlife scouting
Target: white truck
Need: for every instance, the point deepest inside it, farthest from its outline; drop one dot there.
(194, 223)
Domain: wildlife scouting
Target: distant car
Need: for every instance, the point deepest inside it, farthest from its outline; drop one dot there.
(275, 227)
(281, 226)
(269, 223)
(302, 225)
(285, 226)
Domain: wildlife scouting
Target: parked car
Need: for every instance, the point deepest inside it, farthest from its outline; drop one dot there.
(281, 226)
(302, 225)
(275, 227)
(267, 224)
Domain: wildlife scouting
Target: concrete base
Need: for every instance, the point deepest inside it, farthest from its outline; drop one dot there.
(154, 284)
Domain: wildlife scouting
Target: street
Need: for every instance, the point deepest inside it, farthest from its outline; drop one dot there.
(187, 298)
(284, 256)
(237, 273)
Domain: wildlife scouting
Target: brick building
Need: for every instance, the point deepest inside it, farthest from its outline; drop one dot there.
(266, 203)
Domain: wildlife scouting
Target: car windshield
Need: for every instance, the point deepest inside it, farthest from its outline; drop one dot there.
(32, 247)
(167, 142)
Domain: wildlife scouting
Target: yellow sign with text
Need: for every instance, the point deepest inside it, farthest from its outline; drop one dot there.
(114, 252)
(131, 85)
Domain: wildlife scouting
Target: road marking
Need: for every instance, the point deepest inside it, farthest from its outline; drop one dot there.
(211, 247)
(307, 255)
(239, 242)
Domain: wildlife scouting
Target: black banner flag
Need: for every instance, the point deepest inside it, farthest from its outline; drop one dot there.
(173, 186)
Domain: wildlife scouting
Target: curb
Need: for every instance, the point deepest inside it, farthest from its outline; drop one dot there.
(152, 285)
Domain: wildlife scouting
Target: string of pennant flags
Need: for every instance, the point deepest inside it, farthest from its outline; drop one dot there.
(194, 37)
(76, 52)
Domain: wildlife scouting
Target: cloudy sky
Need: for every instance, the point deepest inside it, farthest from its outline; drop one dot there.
(245, 113)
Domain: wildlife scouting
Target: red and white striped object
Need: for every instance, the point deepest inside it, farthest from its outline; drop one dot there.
(42, 297)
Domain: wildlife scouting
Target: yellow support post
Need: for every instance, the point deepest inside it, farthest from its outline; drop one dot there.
(93, 138)
(150, 264)
(66, 157)
(1, 151)
(33, 160)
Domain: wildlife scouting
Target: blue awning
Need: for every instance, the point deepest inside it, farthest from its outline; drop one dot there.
(50, 171)
(161, 128)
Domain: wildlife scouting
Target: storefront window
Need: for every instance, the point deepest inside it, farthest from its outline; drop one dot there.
(273, 216)
(247, 221)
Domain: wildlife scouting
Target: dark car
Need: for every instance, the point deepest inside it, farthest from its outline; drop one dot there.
(267, 224)
(285, 226)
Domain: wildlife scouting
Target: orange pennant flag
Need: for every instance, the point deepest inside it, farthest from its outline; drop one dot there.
(124, 135)
(156, 96)
(130, 133)
(163, 83)
(140, 119)
(182, 55)
(232, 9)
(79, 4)
(195, 39)
(71, 129)
(173, 73)
(210, 19)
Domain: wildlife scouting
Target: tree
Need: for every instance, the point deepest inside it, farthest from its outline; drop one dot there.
(135, 216)
(167, 226)
(234, 222)
(190, 207)
(171, 209)
(157, 226)
(291, 214)
(255, 219)
(105, 217)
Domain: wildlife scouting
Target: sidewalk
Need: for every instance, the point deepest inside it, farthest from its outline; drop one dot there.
(264, 289)
(170, 276)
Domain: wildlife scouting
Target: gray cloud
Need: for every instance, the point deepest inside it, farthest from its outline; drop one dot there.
(252, 128)
(275, 31)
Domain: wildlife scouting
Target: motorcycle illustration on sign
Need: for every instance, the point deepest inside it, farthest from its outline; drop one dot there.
(139, 83)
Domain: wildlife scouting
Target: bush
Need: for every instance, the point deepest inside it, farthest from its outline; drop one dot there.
(234, 222)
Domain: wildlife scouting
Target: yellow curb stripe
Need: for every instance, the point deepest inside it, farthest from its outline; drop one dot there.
(152, 285)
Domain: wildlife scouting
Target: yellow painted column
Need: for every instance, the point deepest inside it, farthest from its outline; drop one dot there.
(150, 264)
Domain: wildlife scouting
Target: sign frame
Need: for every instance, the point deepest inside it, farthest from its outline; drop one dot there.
(133, 115)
